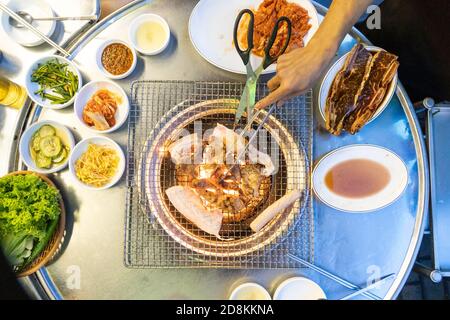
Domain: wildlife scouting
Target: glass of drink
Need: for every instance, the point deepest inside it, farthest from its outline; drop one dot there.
(11, 94)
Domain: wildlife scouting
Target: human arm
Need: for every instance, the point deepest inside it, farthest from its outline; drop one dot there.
(298, 70)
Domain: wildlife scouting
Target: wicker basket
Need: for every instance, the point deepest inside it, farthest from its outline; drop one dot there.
(54, 241)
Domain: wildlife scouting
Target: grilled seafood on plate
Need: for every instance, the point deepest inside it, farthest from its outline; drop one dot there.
(210, 190)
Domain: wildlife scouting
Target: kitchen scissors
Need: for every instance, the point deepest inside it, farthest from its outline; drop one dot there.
(248, 97)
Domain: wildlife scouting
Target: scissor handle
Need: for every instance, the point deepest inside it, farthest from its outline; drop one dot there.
(245, 54)
(268, 59)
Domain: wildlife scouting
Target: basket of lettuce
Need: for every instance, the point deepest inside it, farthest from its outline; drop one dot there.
(32, 220)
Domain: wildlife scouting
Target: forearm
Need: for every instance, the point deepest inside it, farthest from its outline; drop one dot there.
(299, 69)
(341, 17)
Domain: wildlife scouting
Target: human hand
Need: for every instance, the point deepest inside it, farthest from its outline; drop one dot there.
(297, 71)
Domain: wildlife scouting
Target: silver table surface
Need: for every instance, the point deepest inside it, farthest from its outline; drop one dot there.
(357, 247)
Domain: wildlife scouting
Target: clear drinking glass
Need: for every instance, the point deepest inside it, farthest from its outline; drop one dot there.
(12, 94)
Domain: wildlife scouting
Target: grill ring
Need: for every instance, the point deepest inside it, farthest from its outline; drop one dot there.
(150, 179)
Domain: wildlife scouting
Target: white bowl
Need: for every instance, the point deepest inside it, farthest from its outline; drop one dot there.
(36, 8)
(88, 91)
(299, 288)
(98, 59)
(331, 74)
(24, 145)
(32, 86)
(144, 18)
(250, 291)
(393, 190)
(81, 148)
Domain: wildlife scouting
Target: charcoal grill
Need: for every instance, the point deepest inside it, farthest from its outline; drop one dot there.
(179, 243)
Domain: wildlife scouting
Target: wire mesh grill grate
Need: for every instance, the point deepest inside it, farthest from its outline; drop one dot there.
(147, 243)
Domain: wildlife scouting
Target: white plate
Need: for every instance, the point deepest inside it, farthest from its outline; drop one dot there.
(88, 91)
(385, 157)
(33, 86)
(36, 8)
(250, 291)
(299, 288)
(81, 148)
(98, 59)
(331, 74)
(24, 146)
(211, 31)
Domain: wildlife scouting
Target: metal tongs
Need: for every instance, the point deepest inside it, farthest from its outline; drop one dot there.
(248, 98)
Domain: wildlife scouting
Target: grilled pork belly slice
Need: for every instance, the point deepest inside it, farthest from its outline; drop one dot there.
(186, 150)
(238, 196)
(188, 203)
(234, 143)
(346, 85)
(236, 191)
(383, 68)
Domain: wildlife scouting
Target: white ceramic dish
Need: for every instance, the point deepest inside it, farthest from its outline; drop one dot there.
(392, 162)
(299, 288)
(145, 18)
(250, 291)
(331, 74)
(211, 31)
(82, 146)
(24, 145)
(88, 91)
(36, 8)
(32, 86)
(98, 59)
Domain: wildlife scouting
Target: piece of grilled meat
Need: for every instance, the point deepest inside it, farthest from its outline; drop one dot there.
(342, 97)
(359, 89)
(238, 195)
(383, 68)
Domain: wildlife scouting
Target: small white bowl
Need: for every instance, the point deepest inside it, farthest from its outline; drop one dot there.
(144, 18)
(250, 291)
(98, 59)
(334, 70)
(81, 148)
(32, 86)
(388, 159)
(299, 288)
(88, 91)
(36, 8)
(24, 145)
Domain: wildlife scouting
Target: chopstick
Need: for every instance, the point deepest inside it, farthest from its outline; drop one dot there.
(333, 277)
(369, 287)
(18, 18)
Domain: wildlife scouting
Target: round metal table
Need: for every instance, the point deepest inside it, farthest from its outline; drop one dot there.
(357, 247)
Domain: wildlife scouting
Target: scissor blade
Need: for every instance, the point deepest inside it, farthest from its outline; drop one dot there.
(246, 98)
(251, 100)
(243, 103)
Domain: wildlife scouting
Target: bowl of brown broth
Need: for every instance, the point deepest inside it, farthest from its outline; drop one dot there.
(360, 178)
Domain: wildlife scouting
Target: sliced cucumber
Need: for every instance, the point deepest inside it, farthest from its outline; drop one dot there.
(46, 131)
(50, 146)
(60, 157)
(43, 161)
(35, 142)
